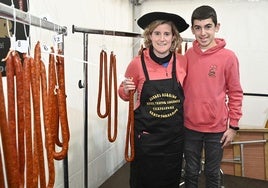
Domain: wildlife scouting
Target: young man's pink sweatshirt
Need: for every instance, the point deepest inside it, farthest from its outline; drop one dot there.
(213, 94)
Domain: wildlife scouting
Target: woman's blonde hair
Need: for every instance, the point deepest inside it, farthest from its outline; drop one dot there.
(177, 40)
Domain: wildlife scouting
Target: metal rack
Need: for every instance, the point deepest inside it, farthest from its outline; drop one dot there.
(113, 33)
(256, 94)
(20, 16)
(240, 159)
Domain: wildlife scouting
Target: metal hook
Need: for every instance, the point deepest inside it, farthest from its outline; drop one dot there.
(80, 84)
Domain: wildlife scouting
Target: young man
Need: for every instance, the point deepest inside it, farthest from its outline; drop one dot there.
(213, 99)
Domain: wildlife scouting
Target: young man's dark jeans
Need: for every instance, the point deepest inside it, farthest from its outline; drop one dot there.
(194, 143)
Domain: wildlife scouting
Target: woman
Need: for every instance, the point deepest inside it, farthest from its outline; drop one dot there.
(157, 76)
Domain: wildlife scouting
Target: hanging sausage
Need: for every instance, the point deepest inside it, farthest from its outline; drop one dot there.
(9, 144)
(112, 79)
(39, 172)
(130, 153)
(20, 115)
(108, 94)
(28, 110)
(103, 82)
(179, 49)
(27, 120)
(47, 126)
(62, 111)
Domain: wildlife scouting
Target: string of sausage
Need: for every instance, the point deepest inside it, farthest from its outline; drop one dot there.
(129, 155)
(62, 110)
(180, 48)
(112, 78)
(29, 77)
(39, 170)
(20, 114)
(52, 99)
(103, 68)
(24, 115)
(9, 144)
(51, 110)
(55, 112)
(47, 125)
(20, 107)
(27, 120)
(108, 93)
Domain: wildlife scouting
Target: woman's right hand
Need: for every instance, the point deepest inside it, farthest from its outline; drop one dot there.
(128, 85)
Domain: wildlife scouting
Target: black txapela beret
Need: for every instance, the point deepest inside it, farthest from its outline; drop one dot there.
(148, 18)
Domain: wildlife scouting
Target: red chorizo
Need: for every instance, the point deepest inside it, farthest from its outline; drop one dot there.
(179, 49)
(48, 135)
(8, 139)
(103, 74)
(27, 121)
(60, 70)
(61, 81)
(112, 79)
(60, 77)
(52, 100)
(129, 155)
(61, 96)
(35, 78)
(20, 114)
(10, 73)
(64, 126)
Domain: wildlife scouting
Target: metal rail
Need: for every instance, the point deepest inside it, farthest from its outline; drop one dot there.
(240, 159)
(11, 13)
(256, 94)
(113, 33)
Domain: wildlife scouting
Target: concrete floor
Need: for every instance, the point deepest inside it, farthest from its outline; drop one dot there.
(121, 177)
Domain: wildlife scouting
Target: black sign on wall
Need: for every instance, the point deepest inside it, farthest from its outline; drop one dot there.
(7, 30)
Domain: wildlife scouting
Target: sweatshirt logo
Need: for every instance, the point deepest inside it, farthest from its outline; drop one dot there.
(212, 71)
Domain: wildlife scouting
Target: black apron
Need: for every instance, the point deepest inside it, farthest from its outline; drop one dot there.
(159, 133)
